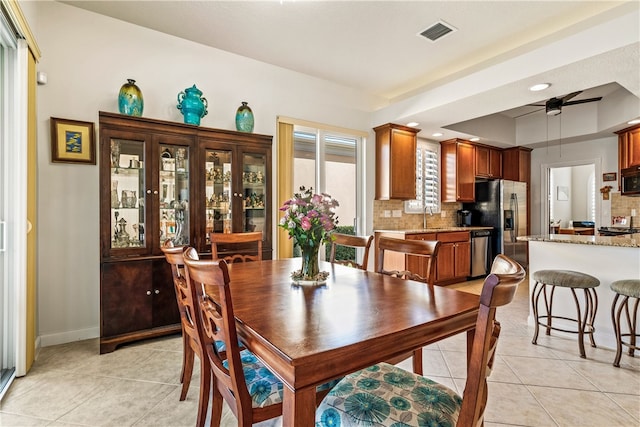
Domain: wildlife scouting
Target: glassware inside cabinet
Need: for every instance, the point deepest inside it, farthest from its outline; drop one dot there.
(127, 194)
(254, 191)
(218, 192)
(174, 194)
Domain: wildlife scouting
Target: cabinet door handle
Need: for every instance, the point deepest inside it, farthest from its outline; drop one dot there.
(155, 191)
(148, 191)
(148, 292)
(156, 291)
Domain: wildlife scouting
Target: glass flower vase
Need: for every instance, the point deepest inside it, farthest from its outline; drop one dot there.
(310, 270)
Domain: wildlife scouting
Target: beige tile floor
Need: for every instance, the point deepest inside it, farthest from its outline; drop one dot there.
(137, 385)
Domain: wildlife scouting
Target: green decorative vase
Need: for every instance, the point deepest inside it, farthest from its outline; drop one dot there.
(310, 269)
(130, 101)
(244, 118)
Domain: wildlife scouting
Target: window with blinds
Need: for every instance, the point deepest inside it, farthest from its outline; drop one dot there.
(427, 179)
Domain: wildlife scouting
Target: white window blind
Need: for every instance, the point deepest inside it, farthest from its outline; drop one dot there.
(427, 179)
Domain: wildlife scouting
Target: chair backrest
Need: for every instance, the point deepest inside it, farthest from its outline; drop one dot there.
(427, 249)
(499, 288)
(351, 241)
(218, 324)
(186, 306)
(245, 246)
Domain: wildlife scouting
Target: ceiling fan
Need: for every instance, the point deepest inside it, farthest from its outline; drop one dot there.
(553, 106)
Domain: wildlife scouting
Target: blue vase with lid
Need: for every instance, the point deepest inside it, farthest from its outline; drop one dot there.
(192, 105)
(130, 101)
(244, 118)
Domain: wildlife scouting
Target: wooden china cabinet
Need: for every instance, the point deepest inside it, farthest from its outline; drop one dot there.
(163, 180)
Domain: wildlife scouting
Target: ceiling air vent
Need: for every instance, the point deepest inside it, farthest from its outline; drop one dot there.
(437, 30)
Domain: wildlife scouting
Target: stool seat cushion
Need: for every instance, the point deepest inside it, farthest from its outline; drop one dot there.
(628, 287)
(566, 279)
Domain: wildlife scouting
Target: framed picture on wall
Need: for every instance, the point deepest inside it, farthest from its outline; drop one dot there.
(563, 193)
(609, 176)
(72, 141)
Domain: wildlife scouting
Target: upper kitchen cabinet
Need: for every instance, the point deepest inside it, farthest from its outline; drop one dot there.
(488, 162)
(628, 147)
(516, 164)
(458, 170)
(395, 162)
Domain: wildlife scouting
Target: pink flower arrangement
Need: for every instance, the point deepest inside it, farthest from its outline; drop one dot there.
(309, 218)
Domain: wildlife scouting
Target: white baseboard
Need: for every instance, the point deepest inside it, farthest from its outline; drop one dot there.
(69, 336)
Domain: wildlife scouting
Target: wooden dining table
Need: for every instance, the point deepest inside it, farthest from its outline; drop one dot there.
(310, 334)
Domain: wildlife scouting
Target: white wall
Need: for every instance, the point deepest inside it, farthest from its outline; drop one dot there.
(87, 57)
(605, 150)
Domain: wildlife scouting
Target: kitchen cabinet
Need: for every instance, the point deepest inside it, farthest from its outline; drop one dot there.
(161, 180)
(516, 164)
(458, 170)
(454, 257)
(395, 162)
(628, 148)
(488, 162)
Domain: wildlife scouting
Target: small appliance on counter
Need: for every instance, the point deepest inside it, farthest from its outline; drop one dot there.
(464, 218)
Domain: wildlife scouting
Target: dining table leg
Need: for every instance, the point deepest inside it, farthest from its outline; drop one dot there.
(299, 407)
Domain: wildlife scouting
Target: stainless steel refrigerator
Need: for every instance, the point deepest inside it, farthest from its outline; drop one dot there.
(502, 204)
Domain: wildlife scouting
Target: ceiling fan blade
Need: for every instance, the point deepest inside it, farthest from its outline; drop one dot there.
(569, 96)
(530, 112)
(537, 105)
(582, 101)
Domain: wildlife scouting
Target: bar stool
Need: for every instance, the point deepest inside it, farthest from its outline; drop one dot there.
(572, 280)
(626, 289)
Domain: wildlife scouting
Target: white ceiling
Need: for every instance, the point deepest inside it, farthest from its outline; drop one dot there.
(481, 70)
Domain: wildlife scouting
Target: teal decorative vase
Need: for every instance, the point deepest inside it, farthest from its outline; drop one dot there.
(244, 118)
(130, 101)
(192, 105)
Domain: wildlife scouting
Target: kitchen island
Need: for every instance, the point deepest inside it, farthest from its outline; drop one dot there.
(607, 258)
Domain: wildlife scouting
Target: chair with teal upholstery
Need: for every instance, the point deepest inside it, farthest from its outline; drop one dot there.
(386, 395)
(251, 390)
(625, 290)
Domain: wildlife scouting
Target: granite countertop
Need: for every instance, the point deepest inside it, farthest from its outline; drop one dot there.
(433, 230)
(625, 241)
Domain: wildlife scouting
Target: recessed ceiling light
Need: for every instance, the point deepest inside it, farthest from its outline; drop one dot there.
(412, 124)
(437, 134)
(633, 122)
(476, 139)
(539, 87)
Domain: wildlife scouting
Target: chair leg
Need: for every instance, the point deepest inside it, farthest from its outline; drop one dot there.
(581, 324)
(417, 361)
(188, 371)
(185, 346)
(593, 309)
(535, 296)
(216, 405)
(615, 317)
(632, 329)
(205, 389)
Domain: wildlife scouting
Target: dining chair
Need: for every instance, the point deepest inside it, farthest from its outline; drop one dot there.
(386, 395)
(236, 247)
(251, 390)
(426, 250)
(191, 343)
(350, 241)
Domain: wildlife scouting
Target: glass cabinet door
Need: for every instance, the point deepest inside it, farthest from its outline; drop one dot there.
(254, 191)
(173, 212)
(127, 193)
(218, 192)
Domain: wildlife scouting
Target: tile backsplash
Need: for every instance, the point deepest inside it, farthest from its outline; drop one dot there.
(621, 206)
(411, 221)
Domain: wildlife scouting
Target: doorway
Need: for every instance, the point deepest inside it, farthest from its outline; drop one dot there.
(570, 188)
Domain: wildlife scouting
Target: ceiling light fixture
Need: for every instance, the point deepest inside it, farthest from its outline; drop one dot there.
(475, 139)
(553, 107)
(437, 134)
(633, 122)
(540, 86)
(412, 124)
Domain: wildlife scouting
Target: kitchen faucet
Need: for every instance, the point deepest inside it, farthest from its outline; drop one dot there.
(424, 215)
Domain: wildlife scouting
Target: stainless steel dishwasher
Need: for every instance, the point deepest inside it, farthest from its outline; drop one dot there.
(480, 263)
